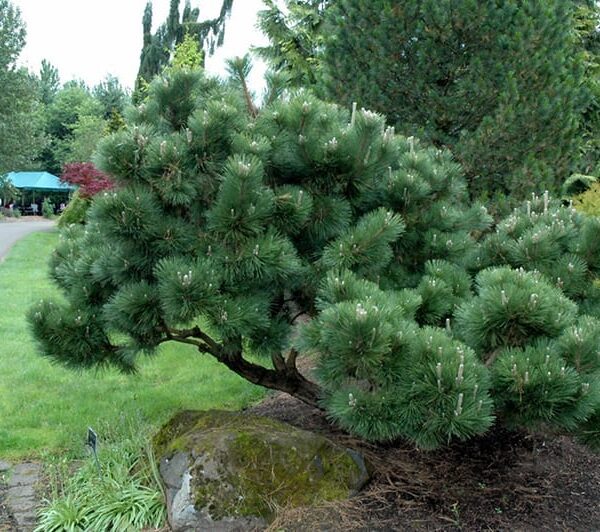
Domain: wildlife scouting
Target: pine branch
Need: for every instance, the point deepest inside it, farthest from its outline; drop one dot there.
(278, 362)
(191, 336)
(291, 359)
(240, 68)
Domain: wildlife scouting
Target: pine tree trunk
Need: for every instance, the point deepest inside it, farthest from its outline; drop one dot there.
(290, 381)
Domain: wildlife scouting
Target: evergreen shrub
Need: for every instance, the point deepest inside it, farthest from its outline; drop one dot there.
(75, 211)
(588, 202)
(47, 208)
(501, 84)
(306, 230)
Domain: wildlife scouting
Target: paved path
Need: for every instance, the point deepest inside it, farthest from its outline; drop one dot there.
(21, 498)
(10, 232)
(7, 521)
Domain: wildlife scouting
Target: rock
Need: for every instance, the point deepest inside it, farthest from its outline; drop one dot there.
(4, 466)
(229, 471)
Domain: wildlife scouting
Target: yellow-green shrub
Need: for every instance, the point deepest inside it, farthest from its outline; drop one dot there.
(588, 202)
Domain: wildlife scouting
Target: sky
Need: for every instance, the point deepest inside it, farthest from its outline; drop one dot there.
(88, 39)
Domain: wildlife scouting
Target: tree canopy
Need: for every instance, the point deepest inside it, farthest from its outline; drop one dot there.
(499, 83)
(20, 121)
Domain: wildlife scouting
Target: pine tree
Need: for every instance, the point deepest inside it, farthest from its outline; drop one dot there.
(304, 229)
(498, 83)
(587, 18)
(295, 39)
(49, 82)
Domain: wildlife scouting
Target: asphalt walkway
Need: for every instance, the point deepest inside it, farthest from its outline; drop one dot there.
(10, 232)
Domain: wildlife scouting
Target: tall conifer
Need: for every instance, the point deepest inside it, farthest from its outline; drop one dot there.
(498, 83)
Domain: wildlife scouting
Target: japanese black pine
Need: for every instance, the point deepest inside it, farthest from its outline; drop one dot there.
(308, 230)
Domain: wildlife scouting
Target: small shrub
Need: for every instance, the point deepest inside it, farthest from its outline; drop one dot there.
(47, 209)
(10, 213)
(75, 211)
(589, 201)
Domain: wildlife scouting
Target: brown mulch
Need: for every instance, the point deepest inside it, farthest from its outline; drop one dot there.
(504, 481)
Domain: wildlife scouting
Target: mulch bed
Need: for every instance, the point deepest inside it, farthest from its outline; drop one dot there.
(504, 481)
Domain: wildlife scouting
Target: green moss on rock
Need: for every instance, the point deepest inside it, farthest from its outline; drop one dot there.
(245, 465)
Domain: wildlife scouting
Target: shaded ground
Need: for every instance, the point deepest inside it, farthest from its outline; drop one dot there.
(10, 232)
(506, 481)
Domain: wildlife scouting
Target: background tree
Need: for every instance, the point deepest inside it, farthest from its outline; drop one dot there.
(111, 95)
(499, 83)
(158, 48)
(20, 127)
(296, 39)
(85, 134)
(74, 124)
(49, 82)
(227, 225)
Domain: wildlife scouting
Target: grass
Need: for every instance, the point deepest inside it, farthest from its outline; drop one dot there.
(45, 408)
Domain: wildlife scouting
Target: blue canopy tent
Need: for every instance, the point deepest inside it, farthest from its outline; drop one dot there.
(39, 184)
(42, 181)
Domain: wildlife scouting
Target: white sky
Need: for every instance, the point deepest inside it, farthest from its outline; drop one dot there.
(88, 39)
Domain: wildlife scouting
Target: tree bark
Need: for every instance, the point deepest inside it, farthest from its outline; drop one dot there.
(284, 378)
(290, 381)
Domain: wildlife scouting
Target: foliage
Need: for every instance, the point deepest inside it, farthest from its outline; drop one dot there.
(228, 225)
(158, 48)
(501, 84)
(577, 184)
(8, 192)
(295, 39)
(47, 208)
(127, 495)
(187, 54)
(87, 177)
(75, 211)
(587, 31)
(48, 82)
(20, 125)
(74, 125)
(10, 213)
(85, 136)
(75, 118)
(111, 96)
(589, 201)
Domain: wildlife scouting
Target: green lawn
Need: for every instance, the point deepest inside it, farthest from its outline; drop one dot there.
(46, 408)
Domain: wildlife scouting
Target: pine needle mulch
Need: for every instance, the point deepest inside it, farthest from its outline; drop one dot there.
(504, 481)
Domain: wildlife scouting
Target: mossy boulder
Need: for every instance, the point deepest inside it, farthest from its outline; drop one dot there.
(232, 470)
